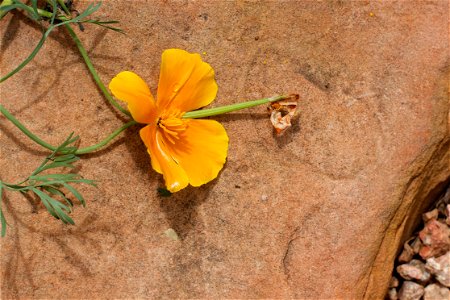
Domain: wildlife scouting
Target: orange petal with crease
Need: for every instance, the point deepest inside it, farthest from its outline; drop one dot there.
(185, 83)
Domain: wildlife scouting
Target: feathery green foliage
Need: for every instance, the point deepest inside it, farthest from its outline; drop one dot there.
(51, 188)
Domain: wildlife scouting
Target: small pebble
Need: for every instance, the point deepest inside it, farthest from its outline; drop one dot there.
(431, 215)
(440, 268)
(392, 294)
(435, 238)
(407, 253)
(416, 245)
(436, 292)
(410, 291)
(172, 234)
(393, 283)
(264, 197)
(414, 270)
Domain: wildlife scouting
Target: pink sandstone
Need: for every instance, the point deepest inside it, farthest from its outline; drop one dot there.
(344, 188)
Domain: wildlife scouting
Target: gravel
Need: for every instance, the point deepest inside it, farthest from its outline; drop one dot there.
(422, 270)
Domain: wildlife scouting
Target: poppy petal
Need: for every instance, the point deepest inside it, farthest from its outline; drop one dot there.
(129, 87)
(185, 83)
(147, 134)
(201, 150)
(174, 175)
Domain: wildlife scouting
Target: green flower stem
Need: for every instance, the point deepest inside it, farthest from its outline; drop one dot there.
(203, 113)
(46, 145)
(107, 140)
(94, 72)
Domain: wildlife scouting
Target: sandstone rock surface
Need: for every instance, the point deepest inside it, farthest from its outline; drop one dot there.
(344, 187)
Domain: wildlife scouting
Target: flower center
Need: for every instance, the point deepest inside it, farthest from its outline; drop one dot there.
(172, 126)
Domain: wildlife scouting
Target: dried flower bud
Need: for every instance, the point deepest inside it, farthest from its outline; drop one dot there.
(282, 112)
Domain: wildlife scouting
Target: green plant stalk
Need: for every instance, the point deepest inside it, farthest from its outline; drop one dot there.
(2, 217)
(48, 146)
(203, 113)
(94, 72)
(107, 140)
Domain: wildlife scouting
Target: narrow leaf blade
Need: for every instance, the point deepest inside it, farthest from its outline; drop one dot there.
(2, 217)
(75, 193)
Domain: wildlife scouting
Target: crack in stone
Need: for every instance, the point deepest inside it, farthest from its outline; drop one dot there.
(286, 257)
(421, 174)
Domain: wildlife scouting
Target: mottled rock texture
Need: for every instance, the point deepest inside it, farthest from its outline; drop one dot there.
(344, 187)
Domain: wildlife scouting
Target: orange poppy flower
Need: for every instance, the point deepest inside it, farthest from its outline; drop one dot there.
(185, 151)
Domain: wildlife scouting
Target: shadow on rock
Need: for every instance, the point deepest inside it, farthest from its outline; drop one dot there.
(139, 152)
(19, 142)
(73, 243)
(236, 116)
(64, 39)
(181, 208)
(10, 32)
(16, 258)
(289, 135)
